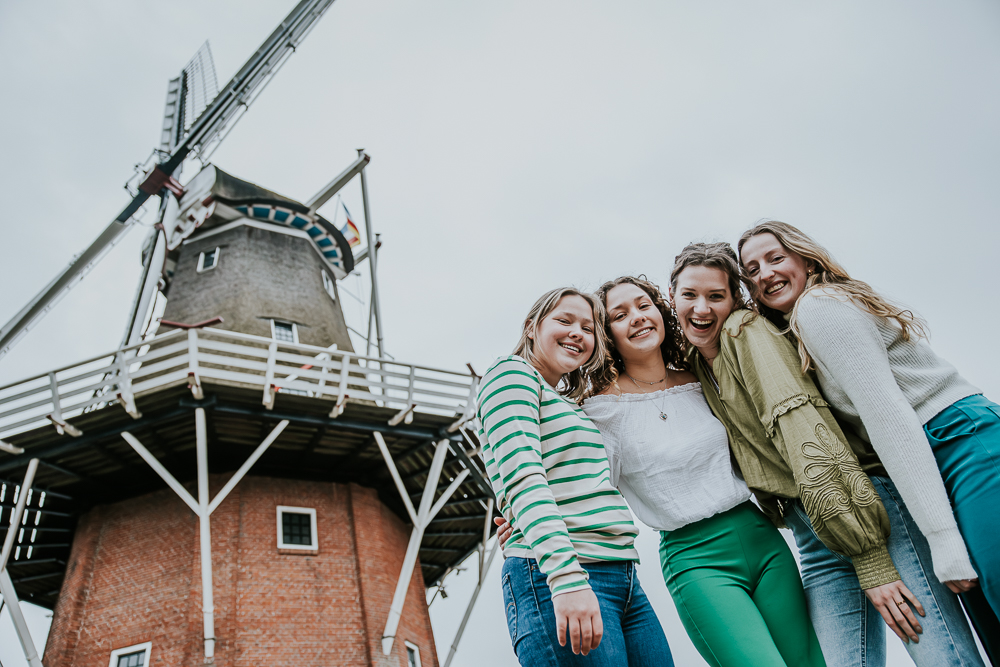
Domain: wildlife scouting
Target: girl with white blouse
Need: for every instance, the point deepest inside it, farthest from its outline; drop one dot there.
(731, 575)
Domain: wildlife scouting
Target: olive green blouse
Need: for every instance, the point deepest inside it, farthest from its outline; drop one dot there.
(788, 444)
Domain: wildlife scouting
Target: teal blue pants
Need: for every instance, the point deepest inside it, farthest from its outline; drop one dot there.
(738, 592)
(965, 438)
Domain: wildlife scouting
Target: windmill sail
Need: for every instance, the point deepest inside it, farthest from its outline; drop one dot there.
(203, 136)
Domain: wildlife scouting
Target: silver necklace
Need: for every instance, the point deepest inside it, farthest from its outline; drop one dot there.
(659, 408)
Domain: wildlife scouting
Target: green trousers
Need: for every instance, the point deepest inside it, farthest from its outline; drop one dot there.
(738, 591)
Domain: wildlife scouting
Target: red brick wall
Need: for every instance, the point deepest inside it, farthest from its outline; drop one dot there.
(134, 576)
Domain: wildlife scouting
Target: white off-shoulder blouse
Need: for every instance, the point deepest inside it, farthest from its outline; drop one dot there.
(673, 472)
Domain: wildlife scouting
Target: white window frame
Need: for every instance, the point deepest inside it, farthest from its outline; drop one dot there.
(416, 652)
(295, 331)
(312, 528)
(328, 285)
(201, 260)
(119, 652)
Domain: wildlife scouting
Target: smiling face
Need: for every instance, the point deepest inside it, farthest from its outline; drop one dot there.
(564, 339)
(703, 301)
(637, 329)
(779, 274)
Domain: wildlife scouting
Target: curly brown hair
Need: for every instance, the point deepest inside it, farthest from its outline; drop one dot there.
(673, 347)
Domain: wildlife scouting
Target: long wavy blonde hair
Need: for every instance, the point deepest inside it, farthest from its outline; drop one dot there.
(827, 272)
(575, 383)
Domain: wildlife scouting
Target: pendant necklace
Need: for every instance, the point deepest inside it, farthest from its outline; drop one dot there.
(659, 408)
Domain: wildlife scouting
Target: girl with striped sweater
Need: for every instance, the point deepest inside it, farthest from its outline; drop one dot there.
(569, 581)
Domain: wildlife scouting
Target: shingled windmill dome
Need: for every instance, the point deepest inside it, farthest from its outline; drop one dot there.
(262, 262)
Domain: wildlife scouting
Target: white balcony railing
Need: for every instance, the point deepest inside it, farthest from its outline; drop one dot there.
(225, 357)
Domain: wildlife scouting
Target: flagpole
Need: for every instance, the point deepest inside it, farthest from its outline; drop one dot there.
(372, 261)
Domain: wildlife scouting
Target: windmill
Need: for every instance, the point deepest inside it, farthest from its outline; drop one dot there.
(240, 487)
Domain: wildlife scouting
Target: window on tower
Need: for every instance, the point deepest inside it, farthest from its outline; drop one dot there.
(297, 528)
(131, 656)
(412, 655)
(208, 260)
(328, 285)
(284, 331)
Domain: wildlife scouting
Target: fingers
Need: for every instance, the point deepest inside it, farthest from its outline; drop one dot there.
(504, 529)
(913, 600)
(575, 634)
(586, 635)
(578, 620)
(961, 585)
(887, 616)
(907, 621)
(890, 603)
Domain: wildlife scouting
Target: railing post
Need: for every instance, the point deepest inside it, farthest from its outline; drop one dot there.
(269, 389)
(338, 408)
(125, 386)
(56, 403)
(194, 376)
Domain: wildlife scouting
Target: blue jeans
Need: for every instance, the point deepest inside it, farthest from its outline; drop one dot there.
(850, 630)
(965, 438)
(633, 635)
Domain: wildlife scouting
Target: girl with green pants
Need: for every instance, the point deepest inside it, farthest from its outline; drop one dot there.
(732, 577)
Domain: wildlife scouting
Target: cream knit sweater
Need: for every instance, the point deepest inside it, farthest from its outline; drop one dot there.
(887, 388)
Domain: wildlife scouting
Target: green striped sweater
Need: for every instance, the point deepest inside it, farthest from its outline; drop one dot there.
(548, 468)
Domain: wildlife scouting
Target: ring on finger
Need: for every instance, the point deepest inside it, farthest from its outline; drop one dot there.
(901, 603)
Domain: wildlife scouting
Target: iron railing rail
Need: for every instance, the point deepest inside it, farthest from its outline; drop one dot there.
(196, 356)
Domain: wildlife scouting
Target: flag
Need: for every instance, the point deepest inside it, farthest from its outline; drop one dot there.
(350, 230)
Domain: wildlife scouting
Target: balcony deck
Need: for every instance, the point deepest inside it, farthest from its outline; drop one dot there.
(72, 419)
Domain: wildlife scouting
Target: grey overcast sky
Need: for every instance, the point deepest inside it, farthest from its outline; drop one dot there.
(519, 146)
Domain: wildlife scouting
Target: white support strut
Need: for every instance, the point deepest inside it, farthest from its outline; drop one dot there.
(205, 533)
(161, 471)
(20, 625)
(6, 585)
(235, 479)
(483, 569)
(428, 509)
(203, 508)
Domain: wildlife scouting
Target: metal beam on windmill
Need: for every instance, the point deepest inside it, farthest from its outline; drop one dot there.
(204, 137)
(334, 186)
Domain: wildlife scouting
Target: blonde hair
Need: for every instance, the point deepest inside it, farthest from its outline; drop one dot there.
(827, 272)
(575, 383)
(672, 348)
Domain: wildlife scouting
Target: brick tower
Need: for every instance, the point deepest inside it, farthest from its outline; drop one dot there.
(242, 488)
